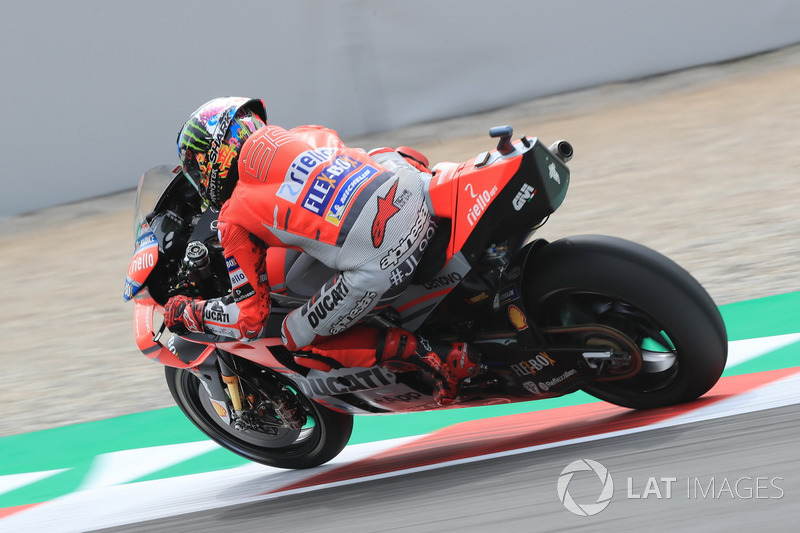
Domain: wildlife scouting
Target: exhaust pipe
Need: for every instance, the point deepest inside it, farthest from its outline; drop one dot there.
(562, 150)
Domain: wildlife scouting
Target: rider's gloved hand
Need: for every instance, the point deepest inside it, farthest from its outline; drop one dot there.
(183, 314)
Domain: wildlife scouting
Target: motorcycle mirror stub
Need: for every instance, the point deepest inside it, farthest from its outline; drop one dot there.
(504, 133)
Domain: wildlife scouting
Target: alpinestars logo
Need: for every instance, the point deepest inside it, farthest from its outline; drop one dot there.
(524, 195)
(386, 210)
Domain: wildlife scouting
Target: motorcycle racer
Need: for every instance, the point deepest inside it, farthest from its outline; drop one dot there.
(362, 215)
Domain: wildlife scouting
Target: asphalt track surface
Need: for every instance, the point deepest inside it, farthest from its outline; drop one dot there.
(518, 493)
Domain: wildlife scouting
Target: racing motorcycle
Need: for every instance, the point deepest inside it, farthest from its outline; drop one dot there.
(593, 313)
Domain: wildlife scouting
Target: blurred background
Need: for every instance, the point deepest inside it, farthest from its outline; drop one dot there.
(98, 90)
(684, 116)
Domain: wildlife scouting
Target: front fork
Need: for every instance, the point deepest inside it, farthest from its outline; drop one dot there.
(210, 376)
(224, 389)
(231, 380)
(219, 379)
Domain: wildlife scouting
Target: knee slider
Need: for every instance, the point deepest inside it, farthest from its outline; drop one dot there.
(395, 344)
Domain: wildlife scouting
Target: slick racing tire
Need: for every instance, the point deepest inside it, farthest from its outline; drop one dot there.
(321, 439)
(659, 306)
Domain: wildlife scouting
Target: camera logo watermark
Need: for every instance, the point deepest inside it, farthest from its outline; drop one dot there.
(586, 509)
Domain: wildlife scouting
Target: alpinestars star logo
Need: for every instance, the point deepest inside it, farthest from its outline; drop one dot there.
(386, 210)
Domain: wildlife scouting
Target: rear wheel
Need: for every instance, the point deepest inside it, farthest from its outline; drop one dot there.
(324, 435)
(656, 304)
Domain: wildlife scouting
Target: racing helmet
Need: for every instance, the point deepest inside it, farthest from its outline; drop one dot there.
(210, 141)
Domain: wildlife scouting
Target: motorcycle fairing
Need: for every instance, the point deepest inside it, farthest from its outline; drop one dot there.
(497, 194)
(360, 390)
(144, 261)
(148, 339)
(535, 190)
(419, 300)
(544, 373)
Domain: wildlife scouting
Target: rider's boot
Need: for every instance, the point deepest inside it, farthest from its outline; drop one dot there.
(450, 363)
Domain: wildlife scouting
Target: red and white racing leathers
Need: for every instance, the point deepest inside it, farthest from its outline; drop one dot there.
(364, 217)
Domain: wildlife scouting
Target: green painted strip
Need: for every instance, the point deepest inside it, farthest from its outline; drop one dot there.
(763, 317)
(49, 488)
(220, 459)
(786, 357)
(69, 445)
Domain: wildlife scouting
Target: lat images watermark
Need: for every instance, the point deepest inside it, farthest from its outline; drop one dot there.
(658, 487)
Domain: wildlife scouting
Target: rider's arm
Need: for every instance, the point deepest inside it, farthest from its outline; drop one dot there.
(244, 313)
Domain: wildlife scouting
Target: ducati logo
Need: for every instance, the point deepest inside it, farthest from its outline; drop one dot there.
(386, 210)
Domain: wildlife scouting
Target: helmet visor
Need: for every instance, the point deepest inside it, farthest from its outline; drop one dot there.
(192, 171)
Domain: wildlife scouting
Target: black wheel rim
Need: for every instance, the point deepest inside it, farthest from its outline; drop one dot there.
(286, 442)
(659, 352)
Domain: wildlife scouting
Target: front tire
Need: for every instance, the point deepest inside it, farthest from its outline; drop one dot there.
(605, 280)
(322, 438)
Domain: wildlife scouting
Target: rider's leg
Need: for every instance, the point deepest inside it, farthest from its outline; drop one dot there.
(452, 363)
(397, 350)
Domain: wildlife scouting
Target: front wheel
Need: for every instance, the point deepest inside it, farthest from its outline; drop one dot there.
(324, 435)
(655, 303)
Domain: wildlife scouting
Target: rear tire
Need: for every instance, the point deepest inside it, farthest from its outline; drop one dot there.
(320, 440)
(605, 280)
